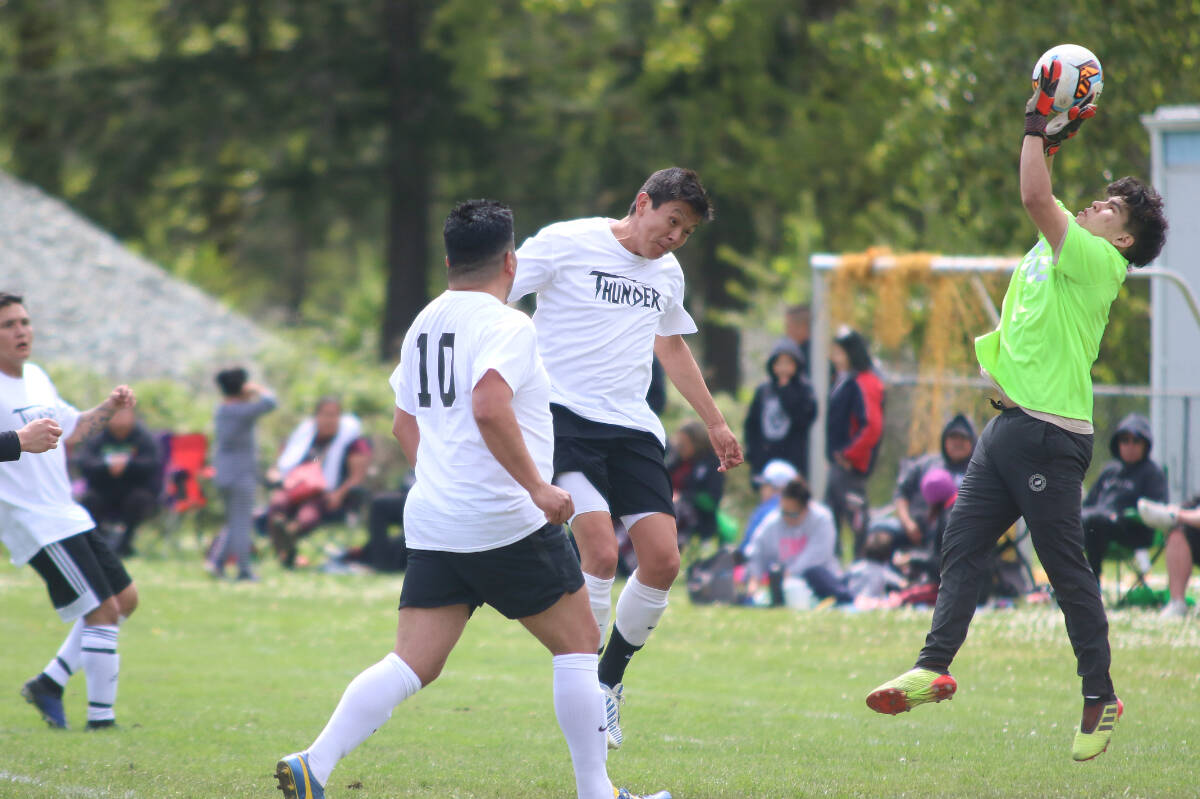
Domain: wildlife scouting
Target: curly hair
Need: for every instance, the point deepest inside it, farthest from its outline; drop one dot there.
(1146, 221)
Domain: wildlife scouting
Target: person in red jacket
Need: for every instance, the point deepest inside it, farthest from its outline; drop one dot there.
(853, 430)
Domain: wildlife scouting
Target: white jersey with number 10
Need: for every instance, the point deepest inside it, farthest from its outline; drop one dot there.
(463, 499)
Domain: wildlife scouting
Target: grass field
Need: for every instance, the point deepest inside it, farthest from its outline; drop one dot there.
(218, 680)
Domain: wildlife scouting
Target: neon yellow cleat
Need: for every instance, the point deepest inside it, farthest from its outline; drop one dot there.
(1093, 744)
(913, 687)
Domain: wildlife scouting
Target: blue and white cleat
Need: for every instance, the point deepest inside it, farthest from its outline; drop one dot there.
(621, 793)
(49, 705)
(613, 699)
(295, 780)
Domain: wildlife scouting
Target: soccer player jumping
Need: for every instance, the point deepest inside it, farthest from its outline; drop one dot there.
(1031, 458)
(482, 522)
(610, 299)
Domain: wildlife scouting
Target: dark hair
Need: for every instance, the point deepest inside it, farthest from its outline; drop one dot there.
(878, 546)
(1146, 221)
(798, 311)
(477, 233)
(697, 434)
(677, 183)
(7, 299)
(797, 490)
(328, 399)
(232, 381)
(855, 346)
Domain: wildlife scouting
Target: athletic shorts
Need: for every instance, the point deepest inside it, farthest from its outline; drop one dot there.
(80, 572)
(624, 465)
(519, 580)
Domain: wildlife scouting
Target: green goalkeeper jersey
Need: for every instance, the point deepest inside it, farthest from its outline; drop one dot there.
(1053, 317)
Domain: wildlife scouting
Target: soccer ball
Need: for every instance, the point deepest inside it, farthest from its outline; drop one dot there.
(1082, 75)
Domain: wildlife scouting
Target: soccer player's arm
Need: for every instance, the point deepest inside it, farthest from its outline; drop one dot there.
(1037, 193)
(405, 430)
(535, 265)
(491, 404)
(37, 436)
(681, 368)
(92, 420)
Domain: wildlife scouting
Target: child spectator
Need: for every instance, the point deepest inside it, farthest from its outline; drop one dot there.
(695, 480)
(775, 475)
(1110, 507)
(872, 576)
(781, 413)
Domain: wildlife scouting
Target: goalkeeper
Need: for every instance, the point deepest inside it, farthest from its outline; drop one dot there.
(1031, 458)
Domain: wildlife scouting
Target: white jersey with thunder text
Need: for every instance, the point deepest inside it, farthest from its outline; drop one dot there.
(36, 507)
(463, 499)
(599, 307)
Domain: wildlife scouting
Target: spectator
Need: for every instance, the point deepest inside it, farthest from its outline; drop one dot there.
(235, 459)
(122, 465)
(797, 540)
(384, 552)
(797, 326)
(1110, 507)
(1183, 547)
(321, 468)
(696, 483)
(958, 443)
(853, 429)
(873, 576)
(781, 413)
(775, 475)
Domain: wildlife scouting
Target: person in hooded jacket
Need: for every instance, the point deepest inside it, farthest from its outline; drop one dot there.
(781, 413)
(853, 430)
(958, 444)
(1110, 507)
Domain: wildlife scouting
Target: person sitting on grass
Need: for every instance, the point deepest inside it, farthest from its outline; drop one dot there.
(1182, 547)
(775, 475)
(122, 465)
(797, 541)
(696, 482)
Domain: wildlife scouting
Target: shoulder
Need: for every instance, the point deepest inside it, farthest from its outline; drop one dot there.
(820, 512)
(572, 228)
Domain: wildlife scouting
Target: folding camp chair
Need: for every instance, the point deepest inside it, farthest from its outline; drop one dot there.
(1139, 562)
(186, 467)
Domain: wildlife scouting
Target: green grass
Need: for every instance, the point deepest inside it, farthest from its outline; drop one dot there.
(218, 680)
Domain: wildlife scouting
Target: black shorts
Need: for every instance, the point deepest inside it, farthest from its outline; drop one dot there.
(625, 465)
(519, 580)
(80, 572)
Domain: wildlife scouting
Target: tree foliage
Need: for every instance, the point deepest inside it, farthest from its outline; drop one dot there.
(297, 156)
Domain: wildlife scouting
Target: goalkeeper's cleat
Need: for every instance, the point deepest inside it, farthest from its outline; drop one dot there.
(1157, 514)
(49, 705)
(913, 687)
(295, 779)
(1094, 743)
(621, 793)
(613, 699)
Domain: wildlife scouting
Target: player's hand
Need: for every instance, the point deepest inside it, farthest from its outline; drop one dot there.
(725, 445)
(121, 397)
(1041, 104)
(1057, 133)
(554, 502)
(39, 435)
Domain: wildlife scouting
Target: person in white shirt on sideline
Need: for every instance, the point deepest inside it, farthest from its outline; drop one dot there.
(610, 299)
(40, 524)
(482, 522)
(797, 540)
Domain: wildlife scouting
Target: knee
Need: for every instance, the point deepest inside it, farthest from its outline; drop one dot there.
(109, 613)
(426, 670)
(127, 601)
(659, 572)
(600, 557)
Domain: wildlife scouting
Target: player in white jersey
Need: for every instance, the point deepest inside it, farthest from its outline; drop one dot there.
(609, 299)
(482, 523)
(43, 526)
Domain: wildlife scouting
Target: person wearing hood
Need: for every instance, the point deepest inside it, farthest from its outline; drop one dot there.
(781, 413)
(853, 431)
(1110, 508)
(913, 512)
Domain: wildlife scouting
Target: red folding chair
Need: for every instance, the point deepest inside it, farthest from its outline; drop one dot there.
(185, 472)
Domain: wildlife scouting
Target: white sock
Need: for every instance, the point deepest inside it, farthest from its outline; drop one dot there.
(600, 598)
(638, 610)
(579, 706)
(102, 666)
(69, 659)
(365, 706)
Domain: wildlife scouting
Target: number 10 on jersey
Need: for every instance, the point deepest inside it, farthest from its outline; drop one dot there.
(445, 370)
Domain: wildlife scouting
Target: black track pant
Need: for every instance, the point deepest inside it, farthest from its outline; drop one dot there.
(1022, 467)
